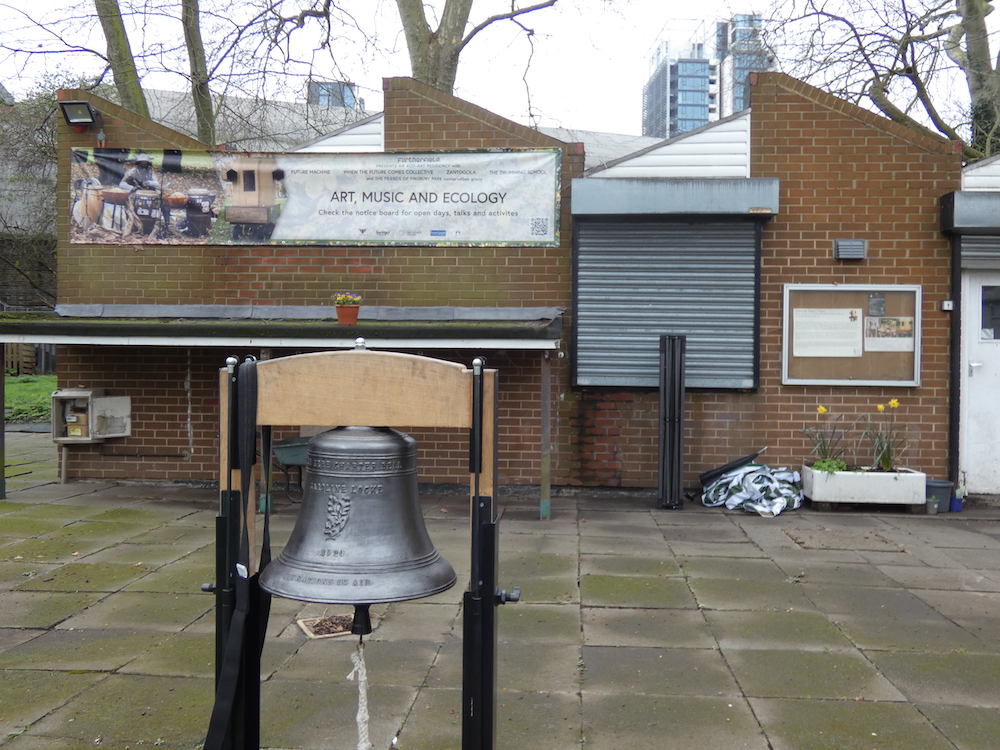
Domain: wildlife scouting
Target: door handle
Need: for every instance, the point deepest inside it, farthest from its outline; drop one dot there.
(973, 366)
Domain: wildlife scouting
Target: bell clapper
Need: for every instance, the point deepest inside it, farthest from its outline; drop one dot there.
(362, 624)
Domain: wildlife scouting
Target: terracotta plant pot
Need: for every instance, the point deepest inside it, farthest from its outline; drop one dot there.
(347, 315)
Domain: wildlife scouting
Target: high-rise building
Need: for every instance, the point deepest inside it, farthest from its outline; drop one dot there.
(686, 92)
(740, 51)
(680, 94)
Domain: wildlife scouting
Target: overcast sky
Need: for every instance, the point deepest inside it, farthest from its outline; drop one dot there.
(587, 70)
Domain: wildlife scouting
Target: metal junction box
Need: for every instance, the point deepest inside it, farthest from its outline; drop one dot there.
(86, 415)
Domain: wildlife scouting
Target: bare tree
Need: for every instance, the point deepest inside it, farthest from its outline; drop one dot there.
(27, 193)
(433, 52)
(927, 64)
(120, 58)
(219, 48)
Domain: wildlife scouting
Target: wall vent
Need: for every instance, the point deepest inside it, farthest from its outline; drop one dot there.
(849, 249)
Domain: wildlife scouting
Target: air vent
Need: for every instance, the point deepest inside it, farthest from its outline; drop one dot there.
(849, 249)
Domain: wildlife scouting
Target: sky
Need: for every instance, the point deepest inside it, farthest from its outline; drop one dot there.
(589, 61)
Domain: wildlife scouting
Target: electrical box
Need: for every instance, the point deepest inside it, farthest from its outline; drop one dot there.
(86, 415)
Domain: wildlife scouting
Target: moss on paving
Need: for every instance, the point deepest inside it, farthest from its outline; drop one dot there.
(134, 710)
(42, 610)
(26, 696)
(82, 576)
(634, 591)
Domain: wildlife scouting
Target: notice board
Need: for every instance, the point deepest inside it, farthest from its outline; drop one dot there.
(851, 334)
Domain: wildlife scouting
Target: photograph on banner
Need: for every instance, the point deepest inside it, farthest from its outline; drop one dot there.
(128, 196)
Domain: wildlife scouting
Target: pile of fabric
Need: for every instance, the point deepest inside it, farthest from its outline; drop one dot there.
(756, 488)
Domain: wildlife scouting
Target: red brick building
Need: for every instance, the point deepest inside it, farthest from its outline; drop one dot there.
(839, 173)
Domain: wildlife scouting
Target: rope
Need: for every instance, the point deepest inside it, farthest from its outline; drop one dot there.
(358, 658)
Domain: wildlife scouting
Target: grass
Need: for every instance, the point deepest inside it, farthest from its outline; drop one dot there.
(29, 397)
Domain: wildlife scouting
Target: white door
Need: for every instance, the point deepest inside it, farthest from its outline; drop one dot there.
(979, 433)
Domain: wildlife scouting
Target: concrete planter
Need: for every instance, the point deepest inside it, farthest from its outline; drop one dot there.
(905, 487)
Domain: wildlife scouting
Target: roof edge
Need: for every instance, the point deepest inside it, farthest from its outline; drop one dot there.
(474, 111)
(110, 109)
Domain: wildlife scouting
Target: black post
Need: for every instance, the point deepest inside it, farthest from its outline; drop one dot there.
(228, 528)
(671, 428)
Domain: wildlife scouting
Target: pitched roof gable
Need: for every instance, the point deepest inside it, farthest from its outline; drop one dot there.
(938, 145)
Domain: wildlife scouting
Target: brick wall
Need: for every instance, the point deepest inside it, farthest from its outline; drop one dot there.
(174, 405)
(845, 173)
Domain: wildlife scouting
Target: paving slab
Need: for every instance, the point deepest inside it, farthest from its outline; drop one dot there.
(539, 667)
(660, 566)
(635, 591)
(794, 724)
(613, 722)
(85, 576)
(845, 574)
(935, 634)
(952, 679)
(142, 611)
(320, 714)
(37, 609)
(621, 626)
(749, 594)
(749, 569)
(782, 673)
(28, 696)
(856, 629)
(135, 711)
(767, 630)
(947, 579)
(79, 651)
(968, 728)
(633, 671)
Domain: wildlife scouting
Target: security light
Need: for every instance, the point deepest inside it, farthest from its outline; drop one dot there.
(79, 115)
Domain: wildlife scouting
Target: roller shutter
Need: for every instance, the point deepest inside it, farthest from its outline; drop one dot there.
(635, 281)
(980, 253)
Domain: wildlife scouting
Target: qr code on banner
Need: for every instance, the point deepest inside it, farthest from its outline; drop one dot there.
(540, 227)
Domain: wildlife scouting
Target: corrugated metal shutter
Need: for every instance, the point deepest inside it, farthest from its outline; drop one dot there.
(636, 281)
(982, 253)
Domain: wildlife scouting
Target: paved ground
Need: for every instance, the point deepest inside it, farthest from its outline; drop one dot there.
(638, 628)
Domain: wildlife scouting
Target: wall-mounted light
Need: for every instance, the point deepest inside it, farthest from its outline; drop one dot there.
(79, 115)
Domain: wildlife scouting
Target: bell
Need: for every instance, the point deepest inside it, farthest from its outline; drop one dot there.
(360, 536)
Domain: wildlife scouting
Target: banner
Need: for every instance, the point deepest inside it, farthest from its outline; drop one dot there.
(125, 196)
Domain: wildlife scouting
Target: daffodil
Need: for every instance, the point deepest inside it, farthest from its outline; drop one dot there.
(826, 437)
(887, 439)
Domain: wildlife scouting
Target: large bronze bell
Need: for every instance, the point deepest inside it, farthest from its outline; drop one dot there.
(360, 536)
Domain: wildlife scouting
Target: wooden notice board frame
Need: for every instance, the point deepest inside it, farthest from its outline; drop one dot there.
(851, 334)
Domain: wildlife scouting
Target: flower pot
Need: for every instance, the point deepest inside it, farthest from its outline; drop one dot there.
(347, 315)
(904, 487)
(939, 492)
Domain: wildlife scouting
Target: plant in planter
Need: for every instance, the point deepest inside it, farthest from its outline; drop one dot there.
(348, 304)
(826, 444)
(888, 442)
(829, 481)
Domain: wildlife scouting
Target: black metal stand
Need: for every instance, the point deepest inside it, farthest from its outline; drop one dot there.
(479, 633)
(671, 466)
(236, 600)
